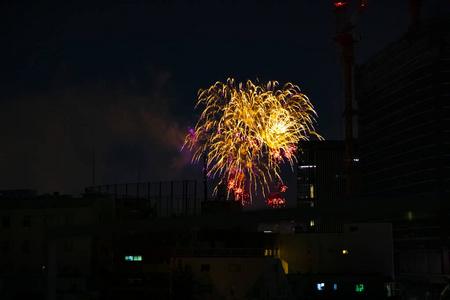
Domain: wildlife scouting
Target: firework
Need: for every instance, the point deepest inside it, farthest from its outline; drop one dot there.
(247, 130)
(276, 198)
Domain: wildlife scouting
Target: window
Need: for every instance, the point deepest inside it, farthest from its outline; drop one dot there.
(388, 290)
(26, 221)
(133, 258)
(353, 228)
(68, 245)
(204, 268)
(311, 223)
(69, 219)
(5, 246)
(48, 221)
(26, 246)
(335, 286)
(410, 215)
(311, 191)
(6, 222)
(234, 267)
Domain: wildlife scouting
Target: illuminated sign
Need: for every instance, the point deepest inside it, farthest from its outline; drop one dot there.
(360, 287)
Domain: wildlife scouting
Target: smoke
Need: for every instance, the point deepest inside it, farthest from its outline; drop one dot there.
(49, 138)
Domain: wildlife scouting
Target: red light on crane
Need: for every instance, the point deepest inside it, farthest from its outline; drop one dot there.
(338, 4)
(363, 3)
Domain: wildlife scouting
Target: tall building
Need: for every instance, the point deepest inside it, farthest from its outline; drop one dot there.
(321, 172)
(403, 96)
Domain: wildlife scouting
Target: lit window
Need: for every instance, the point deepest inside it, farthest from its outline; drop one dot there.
(320, 286)
(133, 258)
(311, 223)
(311, 191)
(307, 167)
(388, 290)
(410, 215)
(344, 251)
(360, 287)
(335, 286)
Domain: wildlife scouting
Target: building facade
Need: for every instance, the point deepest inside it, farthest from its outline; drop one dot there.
(403, 96)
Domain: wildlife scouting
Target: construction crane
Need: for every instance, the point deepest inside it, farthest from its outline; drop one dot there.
(346, 15)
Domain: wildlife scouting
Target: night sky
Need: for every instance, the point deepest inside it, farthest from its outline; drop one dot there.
(122, 80)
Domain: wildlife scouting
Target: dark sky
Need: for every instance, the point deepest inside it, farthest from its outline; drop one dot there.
(123, 79)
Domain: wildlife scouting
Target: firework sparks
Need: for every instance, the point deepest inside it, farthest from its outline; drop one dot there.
(276, 199)
(247, 130)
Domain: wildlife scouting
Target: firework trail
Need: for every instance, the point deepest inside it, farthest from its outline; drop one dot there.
(276, 199)
(247, 130)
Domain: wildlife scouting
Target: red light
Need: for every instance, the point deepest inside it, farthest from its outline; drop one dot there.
(337, 4)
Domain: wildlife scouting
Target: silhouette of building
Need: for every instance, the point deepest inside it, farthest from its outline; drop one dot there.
(321, 172)
(403, 96)
(26, 220)
(322, 179)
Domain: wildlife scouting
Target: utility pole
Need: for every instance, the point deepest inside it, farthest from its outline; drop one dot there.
(93, 168)
(346, 40)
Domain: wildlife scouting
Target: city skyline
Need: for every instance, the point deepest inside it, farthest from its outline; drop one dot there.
(122, 81)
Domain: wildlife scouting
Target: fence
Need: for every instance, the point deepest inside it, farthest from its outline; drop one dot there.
(169, 197)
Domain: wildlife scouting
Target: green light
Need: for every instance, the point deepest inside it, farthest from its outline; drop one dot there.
(410, 215)
(360, 287)
(133, 258)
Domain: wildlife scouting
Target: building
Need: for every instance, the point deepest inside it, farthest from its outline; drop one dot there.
(321, 172)
(26, 220)
(403, 96)
(322, 178)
